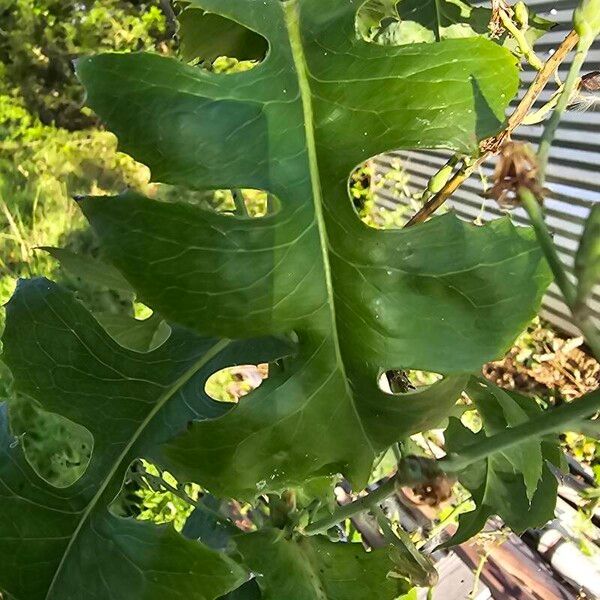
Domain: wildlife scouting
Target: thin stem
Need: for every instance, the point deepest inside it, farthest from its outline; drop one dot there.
(440, 198)
(240, 202)
(569, 88)
(540, 82)
(492, 145)
(482, 562)
(397, 452)
(568, 289)
(384, 524)
(539, 115)
(170, 16)
(411, 471)
(549, 422)
(349, 510)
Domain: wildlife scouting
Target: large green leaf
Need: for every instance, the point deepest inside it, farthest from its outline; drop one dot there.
(515, 484)
(64, 543)
(318, 569)
(443, 297)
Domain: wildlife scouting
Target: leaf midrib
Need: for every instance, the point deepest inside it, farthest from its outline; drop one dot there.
(164, 398)
(292, 20)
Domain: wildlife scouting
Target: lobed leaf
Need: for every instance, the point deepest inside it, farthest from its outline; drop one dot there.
(360, 301)
(515, 484)
(64, 543)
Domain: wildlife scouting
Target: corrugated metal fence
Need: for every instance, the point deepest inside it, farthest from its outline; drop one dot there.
(573, 174)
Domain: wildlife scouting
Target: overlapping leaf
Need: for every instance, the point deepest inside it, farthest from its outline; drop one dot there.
(287, 567)
(515, 484)
(64, 543)
(417, 21)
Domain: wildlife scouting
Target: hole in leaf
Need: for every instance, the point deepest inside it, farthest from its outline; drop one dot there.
(390, 23)
(380, 193)
(373, 18)
(388, 189)
(399, 381)
(57, 449)
(241, 203)
(232, 383)
(153, 495)
(218, 44)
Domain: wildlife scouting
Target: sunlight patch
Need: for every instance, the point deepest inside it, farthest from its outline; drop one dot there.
(232, 383)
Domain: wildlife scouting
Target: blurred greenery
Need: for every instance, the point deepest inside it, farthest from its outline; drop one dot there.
(51, 147)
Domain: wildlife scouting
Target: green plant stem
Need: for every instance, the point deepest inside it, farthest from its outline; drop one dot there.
(397, 452)
(570, 88)
(409, 474)
(519, 35)
(539, 115)
(384, 524)
(482, 562)
(349, 510)
(549, 422)
(568, 289)
(240, 203)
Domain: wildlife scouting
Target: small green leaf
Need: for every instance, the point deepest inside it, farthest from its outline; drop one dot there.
(514, 484)
(443, 19)
(91, 270)
(371, 14)
(418, 21)
(587, 261)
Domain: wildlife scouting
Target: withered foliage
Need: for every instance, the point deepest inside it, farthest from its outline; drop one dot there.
(517, 168)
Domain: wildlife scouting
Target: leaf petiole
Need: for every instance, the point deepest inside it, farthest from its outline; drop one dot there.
(534, 210)
(412, 470)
